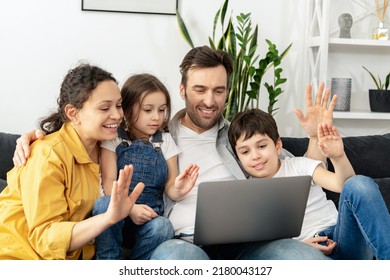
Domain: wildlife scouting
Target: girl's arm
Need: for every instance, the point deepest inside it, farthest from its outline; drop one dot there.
(109, 169)
(179, 185)
(331, 145)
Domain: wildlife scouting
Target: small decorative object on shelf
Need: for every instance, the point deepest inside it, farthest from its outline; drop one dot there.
(345, 23)
(380, 32)
(379, 100)
(379, 97)
(342, 88)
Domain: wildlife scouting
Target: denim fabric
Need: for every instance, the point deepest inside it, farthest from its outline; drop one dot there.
(363, 225)
(144, 238)
(283, 249)
(109, 242)
(150, 167)
(177, 249)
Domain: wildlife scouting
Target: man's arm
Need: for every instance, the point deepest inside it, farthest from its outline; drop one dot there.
(316, 113)
(22, 150)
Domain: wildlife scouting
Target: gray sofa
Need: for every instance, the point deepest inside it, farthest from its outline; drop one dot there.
(369, 155)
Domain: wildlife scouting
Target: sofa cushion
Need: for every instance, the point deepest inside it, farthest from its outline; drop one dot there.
(367, 154)
(7, 148)
(296, 146)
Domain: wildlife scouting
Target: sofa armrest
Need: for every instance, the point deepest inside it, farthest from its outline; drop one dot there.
(7, 148)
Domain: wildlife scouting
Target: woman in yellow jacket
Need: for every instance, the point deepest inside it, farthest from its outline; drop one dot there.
(45, 209)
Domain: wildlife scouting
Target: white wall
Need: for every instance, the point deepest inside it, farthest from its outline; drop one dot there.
(41, 39)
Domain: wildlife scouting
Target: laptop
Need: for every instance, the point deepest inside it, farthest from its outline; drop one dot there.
(250, 210)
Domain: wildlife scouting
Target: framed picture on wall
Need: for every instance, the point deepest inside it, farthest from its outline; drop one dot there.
(163, 7)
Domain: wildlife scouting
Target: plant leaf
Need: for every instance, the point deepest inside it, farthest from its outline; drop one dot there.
(240, 41)
(223, 11)
(232, 40)
(211, 43)
(284, 53)
(380, 82)
(373, 77)
(215, 22)
(183, 29)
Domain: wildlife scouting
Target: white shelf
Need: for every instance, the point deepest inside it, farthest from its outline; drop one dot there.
(329, 57)
(316, 42)
(359, 42)
(361, 115)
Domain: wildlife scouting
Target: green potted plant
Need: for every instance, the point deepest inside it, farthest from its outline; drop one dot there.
(240, 41)
(379, 97)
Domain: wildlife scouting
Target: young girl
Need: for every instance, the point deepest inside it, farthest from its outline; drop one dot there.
(144, 143)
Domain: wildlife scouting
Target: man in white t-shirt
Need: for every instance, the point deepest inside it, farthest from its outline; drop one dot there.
(200, 131)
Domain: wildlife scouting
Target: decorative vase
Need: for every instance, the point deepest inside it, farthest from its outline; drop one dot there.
(342, 88)
(379, 100)
(380, 32)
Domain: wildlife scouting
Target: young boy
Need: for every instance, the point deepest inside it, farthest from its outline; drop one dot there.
(360, 229)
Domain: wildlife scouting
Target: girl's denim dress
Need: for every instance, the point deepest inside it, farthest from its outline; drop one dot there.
(150, 167)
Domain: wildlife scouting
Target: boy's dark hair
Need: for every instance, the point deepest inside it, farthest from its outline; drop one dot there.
(251, 122)
(205, 57)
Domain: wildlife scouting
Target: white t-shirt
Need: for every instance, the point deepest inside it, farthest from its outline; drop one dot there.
(168, 146)
(201, 150)
(320, 212)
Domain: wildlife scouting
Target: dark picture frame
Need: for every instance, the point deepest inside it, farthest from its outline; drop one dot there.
(160, 7)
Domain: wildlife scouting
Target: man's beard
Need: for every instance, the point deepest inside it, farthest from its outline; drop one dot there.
(197, 120)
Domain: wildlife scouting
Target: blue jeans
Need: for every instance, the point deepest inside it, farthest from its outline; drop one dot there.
(145, 238)
(363, 226)
(283, 249)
